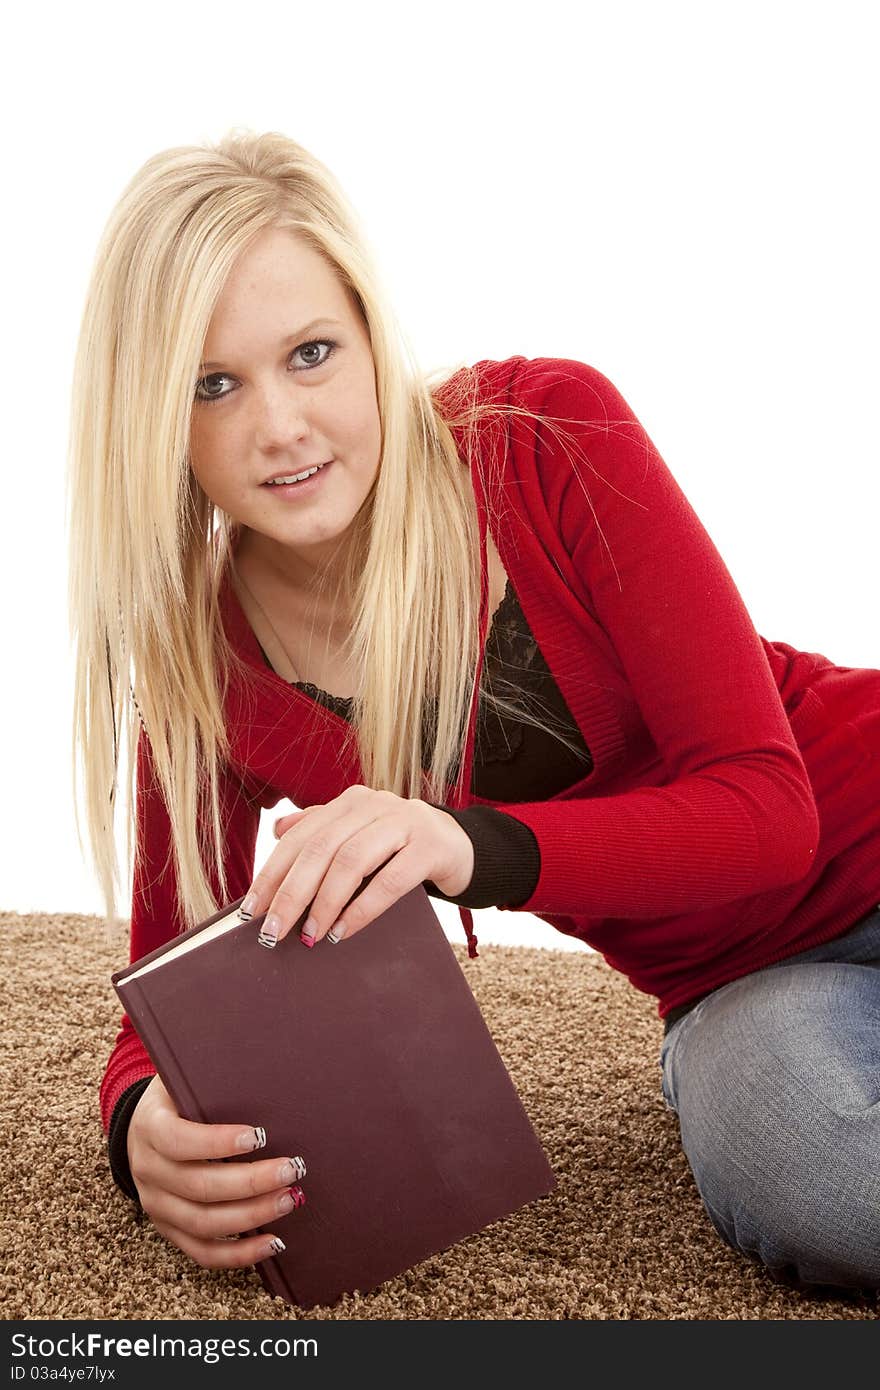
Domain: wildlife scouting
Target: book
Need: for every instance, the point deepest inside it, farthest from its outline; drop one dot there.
(370, 1059)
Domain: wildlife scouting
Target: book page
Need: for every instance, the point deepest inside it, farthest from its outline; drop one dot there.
(233, 919)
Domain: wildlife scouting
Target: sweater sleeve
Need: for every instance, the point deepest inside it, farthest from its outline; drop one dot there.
(506, 859)
(155, 913)
(117, 1139)
(735, 813)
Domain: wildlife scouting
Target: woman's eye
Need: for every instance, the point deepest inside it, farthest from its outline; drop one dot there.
(206, 396)
(308, 347)
(210, 395)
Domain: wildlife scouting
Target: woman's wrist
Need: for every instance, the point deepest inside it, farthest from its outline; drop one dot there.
(507, 859)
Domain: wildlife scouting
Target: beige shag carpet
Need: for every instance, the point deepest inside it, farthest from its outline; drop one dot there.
(624, 1235)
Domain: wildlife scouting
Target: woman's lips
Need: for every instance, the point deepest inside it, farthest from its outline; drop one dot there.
(293, 490)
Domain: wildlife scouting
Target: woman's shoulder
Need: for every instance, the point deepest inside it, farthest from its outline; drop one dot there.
(541, 384)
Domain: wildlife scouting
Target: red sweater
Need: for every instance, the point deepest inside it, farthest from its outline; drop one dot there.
(731, 815)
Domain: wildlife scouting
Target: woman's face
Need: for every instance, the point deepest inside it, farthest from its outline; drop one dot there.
(287, 381)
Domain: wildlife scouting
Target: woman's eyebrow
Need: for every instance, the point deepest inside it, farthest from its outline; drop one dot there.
(293, 337)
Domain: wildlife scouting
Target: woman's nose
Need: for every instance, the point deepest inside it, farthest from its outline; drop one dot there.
(280, 417)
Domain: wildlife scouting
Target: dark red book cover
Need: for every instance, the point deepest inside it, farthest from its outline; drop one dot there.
(369, 1058)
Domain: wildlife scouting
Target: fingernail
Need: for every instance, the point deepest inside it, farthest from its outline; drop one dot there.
(249, 906)
(269, 931)
(275, 1246)
(252, 1139)
(294, 1197)
(310, 927)
(337, 932)
(294, 1170)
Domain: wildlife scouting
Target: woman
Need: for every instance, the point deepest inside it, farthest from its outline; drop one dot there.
(489, 647)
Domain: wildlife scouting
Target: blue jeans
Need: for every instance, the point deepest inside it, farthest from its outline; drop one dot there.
(775, 1079)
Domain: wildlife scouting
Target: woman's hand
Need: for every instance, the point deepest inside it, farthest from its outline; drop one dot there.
(201, 1205)
(325, 852)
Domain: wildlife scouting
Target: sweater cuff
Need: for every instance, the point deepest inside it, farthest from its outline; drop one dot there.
(117, 1137)
(507, 859)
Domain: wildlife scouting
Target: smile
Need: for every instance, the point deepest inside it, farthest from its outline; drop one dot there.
(299, 484)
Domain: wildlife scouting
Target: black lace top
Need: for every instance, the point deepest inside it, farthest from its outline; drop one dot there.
(513, 760)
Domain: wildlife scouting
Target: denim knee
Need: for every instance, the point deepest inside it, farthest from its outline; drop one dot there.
(776, 1082)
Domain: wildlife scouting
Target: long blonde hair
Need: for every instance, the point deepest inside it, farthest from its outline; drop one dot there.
(148, 549)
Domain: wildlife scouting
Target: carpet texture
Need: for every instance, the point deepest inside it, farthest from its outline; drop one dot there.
(624, 1235)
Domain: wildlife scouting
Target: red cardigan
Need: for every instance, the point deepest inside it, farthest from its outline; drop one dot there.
(732, 814)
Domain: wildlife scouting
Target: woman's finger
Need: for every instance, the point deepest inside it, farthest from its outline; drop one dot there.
(336, 913)
(331, 867)
(283, 823)
(222, 1253)
(309, 848)
(207, 1221)
(224, 1182)
(182, 1140)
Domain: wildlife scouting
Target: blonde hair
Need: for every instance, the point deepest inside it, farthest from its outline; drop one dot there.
(148, 549)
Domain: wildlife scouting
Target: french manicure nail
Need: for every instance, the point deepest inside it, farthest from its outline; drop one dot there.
(269, 931)
(252, 1139)
(294, 1170)
(249, 906)
(275, 1246)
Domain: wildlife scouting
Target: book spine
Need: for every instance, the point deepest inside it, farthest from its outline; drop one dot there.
(137, 1006)
(274, 1280)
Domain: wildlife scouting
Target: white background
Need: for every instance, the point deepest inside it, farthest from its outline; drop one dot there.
(682, 194)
